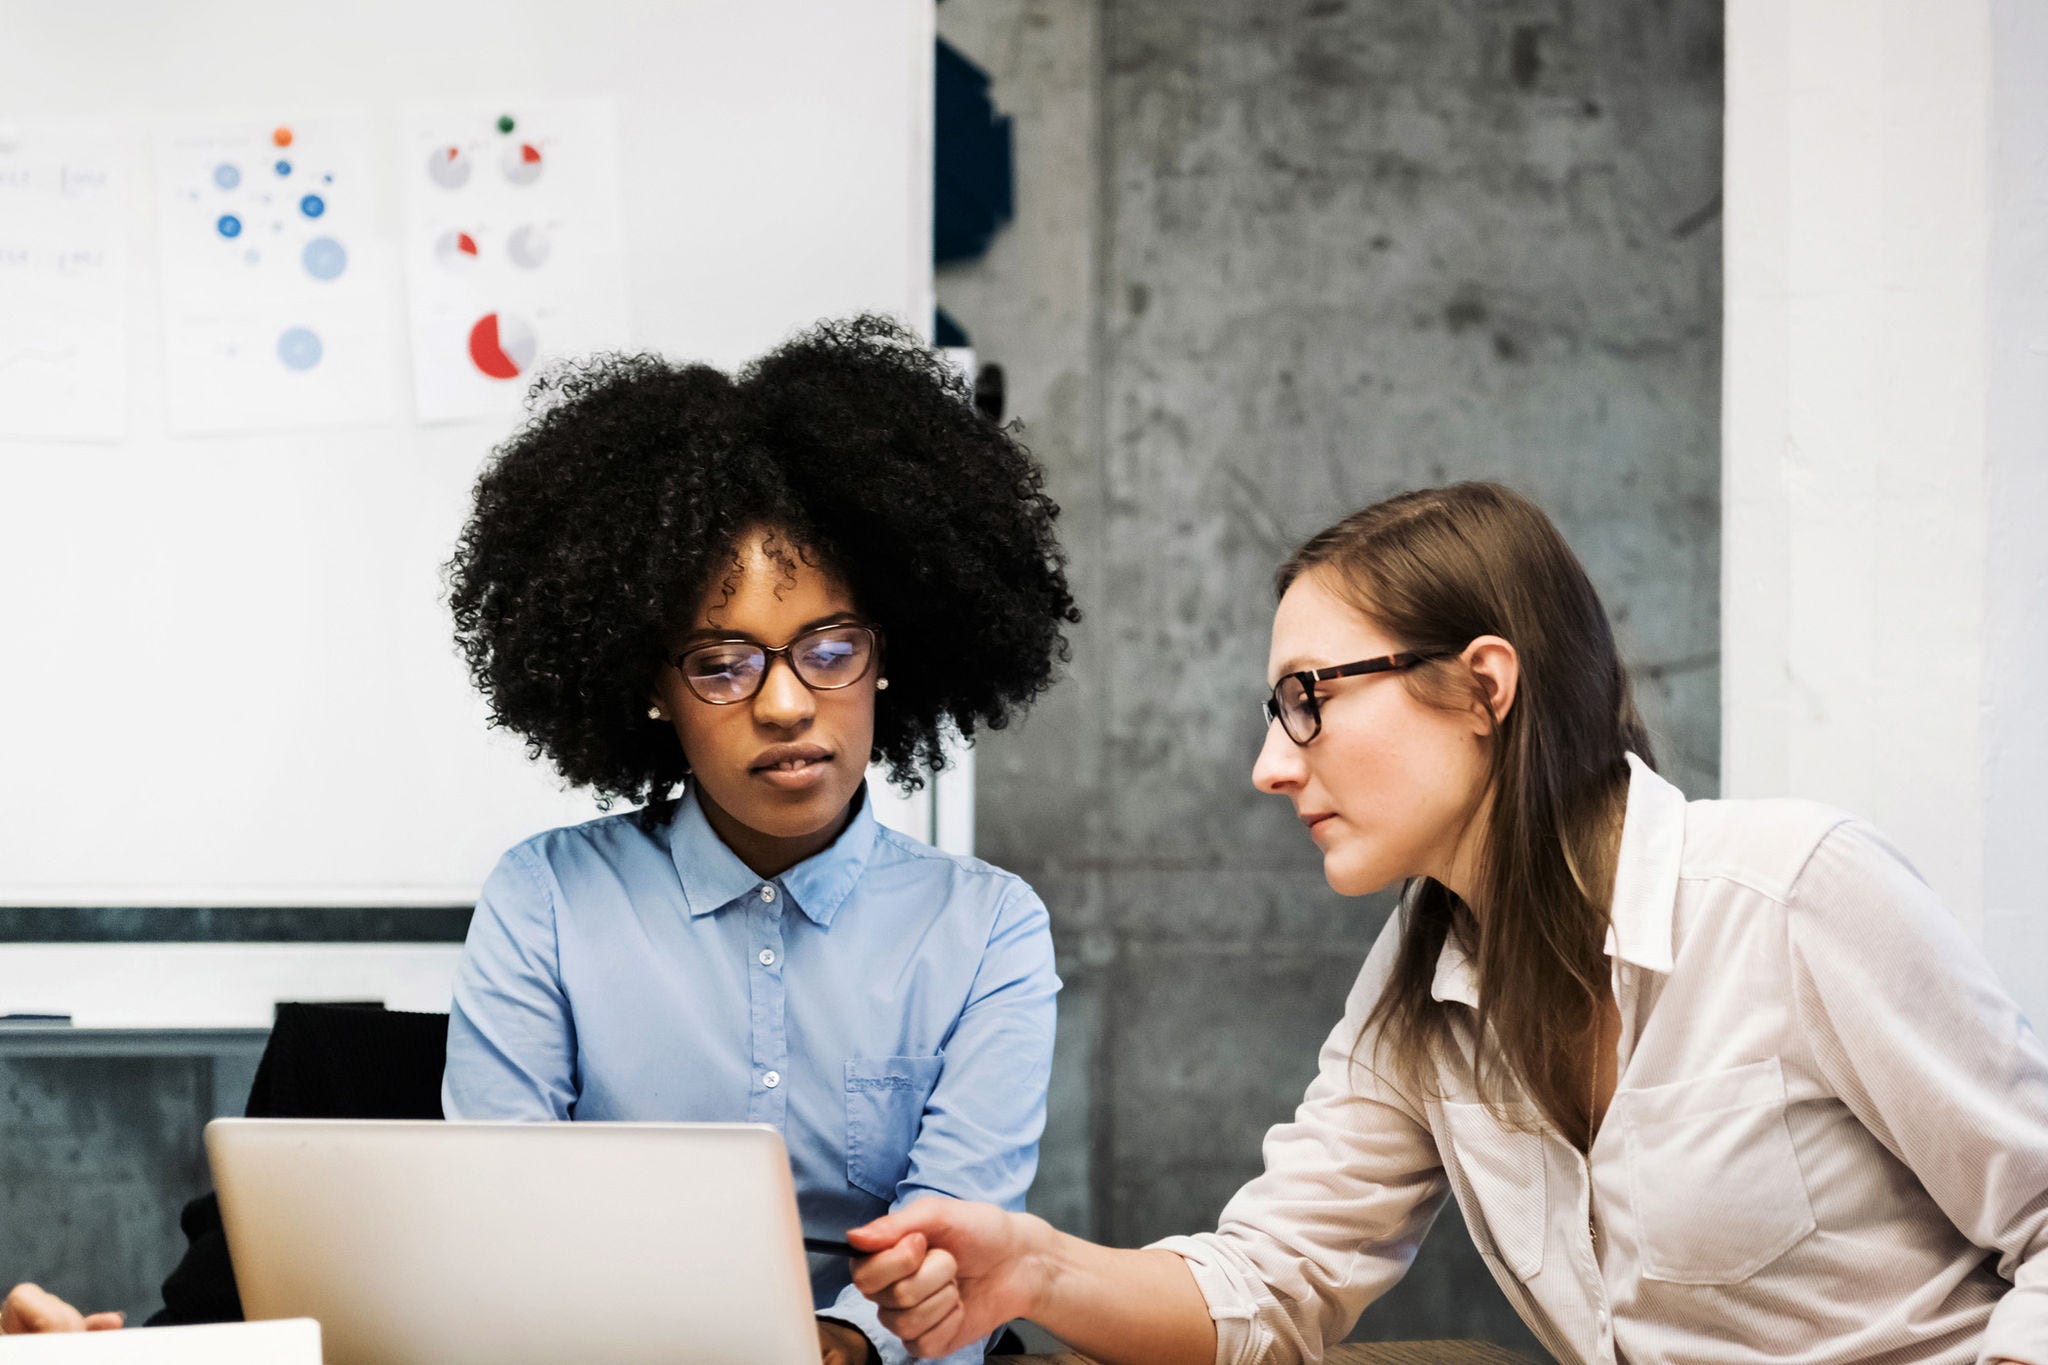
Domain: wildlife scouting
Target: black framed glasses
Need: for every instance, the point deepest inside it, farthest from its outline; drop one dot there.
(826, 659)
(1294, 702)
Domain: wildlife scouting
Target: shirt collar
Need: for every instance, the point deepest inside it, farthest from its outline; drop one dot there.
(1455, 980)
(1646, 871)
(713, 876)
(1645, 888)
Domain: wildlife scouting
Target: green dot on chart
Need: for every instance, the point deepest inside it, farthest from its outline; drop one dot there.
(505, 123)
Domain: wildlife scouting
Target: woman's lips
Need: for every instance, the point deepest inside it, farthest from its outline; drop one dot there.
(794, 768)
(1318, 823)
(800, 778)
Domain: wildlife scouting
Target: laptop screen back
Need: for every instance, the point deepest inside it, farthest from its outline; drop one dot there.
(519, 1244)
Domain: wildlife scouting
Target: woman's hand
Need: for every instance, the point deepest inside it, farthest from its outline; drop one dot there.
(946, 1273)
(841, 1344)
(33, 1309)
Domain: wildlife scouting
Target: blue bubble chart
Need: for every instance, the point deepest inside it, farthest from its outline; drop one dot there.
(324, 258)
(226, 176)
(312, 206)
(284, 168)
(299, 348)
(228, 225)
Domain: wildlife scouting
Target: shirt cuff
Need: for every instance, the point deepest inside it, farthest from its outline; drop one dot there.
(1233, 1306)
(2018, 1329)
(858, 1311)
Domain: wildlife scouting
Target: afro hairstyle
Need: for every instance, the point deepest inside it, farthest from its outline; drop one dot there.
(603, 523)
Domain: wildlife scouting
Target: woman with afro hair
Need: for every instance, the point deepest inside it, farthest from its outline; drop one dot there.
(721, 598)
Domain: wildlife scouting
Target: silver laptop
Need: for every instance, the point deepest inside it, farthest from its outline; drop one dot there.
(519, 1244)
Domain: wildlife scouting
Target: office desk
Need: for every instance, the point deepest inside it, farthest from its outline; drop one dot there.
(1367, 1353)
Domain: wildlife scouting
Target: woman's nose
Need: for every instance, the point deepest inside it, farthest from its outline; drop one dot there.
(783, 700)
(1279, 765)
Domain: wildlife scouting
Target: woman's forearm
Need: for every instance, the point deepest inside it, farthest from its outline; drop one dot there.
(1120, 1307)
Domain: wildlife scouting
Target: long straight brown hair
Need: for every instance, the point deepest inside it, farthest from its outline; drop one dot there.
(1438, 568)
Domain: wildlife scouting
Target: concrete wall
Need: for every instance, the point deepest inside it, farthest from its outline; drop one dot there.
(100, 1149)
(1275, 259)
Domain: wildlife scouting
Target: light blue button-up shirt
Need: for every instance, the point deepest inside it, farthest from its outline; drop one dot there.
(886, 1006)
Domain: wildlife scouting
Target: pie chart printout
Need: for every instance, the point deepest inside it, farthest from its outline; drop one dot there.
(513, 244)
(502, 346)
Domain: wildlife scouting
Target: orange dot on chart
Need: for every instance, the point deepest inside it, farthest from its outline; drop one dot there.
(282, 137)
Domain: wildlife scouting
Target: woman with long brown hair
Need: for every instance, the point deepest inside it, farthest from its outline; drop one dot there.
(1710, 1081)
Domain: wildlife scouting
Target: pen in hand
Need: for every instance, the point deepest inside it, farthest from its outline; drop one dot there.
(830, 1248)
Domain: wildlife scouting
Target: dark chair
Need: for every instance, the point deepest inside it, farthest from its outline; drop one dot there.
(322, 1062)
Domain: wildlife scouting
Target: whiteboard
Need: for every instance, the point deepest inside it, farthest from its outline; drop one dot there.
(226, 669)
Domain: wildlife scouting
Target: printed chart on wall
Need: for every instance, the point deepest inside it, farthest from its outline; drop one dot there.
(513, 247)
(276, 296)
(64, 282)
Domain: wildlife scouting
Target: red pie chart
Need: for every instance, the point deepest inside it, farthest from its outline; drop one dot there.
(502, 346)
(522, 163)
(448, 167)
(455, 250)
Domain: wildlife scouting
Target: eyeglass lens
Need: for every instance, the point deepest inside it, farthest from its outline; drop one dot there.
(1298, 715)
(729, 671)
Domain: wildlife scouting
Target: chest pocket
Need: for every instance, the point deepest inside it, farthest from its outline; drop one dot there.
(1497, 1174)
(885, 1099)
(1712, 1175)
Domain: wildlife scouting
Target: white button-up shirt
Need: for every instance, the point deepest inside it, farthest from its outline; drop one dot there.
(1828, 1142)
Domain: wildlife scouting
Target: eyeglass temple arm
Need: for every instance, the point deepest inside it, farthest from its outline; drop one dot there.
(1269, 708)
(1385, 664)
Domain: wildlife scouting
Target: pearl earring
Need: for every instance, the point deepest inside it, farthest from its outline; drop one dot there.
(654, 713)
(881, 684)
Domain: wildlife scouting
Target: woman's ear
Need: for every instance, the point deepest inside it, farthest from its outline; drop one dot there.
(1497, 670)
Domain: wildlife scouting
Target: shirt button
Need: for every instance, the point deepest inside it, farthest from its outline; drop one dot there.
(772, 1079)
(768, 893)
(767, 957)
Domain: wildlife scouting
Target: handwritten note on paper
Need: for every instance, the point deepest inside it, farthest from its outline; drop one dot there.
(63, 282)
